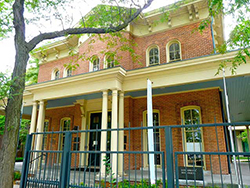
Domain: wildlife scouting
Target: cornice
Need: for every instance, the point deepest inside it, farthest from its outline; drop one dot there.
(180, 64)
(116, 72)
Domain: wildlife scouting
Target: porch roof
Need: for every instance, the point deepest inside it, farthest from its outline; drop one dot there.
(238, 93)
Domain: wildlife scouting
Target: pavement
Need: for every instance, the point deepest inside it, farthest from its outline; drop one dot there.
(18, 166)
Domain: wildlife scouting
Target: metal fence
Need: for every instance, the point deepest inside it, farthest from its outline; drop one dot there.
(185, 156)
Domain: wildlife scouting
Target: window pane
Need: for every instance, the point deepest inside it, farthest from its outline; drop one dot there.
(57, 74)
(176, 46)
(153, 56)
(171, 56)
(171, 48)
(69, 72)
(151, 52)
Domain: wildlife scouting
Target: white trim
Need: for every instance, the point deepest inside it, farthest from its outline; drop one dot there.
(191, 107)
(91, 67)
(147, 54)
(53, 76)
(145, 140)
(65, 72)
(167, 50)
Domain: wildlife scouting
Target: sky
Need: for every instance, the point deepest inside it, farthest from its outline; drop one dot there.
(7, 50)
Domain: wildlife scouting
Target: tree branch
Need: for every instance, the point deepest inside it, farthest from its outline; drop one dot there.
(51, 35)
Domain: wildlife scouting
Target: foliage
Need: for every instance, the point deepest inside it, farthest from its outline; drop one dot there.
(108, 169)
(243, 136)
(24, 129)
(5, 83)
(17, 175)
(19, 159)
(31, 76)
(239, 36)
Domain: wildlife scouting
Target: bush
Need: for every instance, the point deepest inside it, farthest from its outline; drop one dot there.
(17, 175)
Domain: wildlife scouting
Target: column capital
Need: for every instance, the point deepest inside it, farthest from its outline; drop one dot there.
(121, 93)
(104, 92)
(114, 91)
(34, 103)
(41, 102)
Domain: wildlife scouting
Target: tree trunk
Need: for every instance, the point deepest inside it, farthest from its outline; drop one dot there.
(13, 109)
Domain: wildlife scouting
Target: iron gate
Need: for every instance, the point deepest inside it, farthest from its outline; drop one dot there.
(208, 164)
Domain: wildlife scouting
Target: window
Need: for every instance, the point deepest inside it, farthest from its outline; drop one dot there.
(156, 132)
(173, 51)
(67, 72)
(109, 61)
(191, 115)
(94, 64)
(65, 126)
(153, 56)
(55, 74)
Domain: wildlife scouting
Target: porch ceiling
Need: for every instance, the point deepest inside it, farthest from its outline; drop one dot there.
(238, 93)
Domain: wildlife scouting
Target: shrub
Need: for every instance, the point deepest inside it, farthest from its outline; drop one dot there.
(17, 175)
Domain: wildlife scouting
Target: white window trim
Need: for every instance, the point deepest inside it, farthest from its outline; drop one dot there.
(91, 67)
(147, 54)
(145, 137)
(53, 77)
(105, 64)
(65, 72)
(167, 49)
(183, 132)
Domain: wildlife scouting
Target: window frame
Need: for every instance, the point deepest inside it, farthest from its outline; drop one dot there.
(65, 72)
(148, 56)
(168, 50)
(183, 109)
(106, 62)
(53, 75)
(91, 63)
(145, 138)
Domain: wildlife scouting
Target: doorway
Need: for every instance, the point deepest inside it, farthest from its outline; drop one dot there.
(95, 138)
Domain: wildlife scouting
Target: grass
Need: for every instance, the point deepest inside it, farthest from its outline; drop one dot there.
(19, 159)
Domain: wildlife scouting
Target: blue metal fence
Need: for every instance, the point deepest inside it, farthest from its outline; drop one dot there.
(60, 162)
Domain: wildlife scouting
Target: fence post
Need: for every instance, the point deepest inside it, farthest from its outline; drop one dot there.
(169, 156)
(26, 159)
(65, 166)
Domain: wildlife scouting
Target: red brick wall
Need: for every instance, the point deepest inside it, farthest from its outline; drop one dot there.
(193, 44)
(170, 114)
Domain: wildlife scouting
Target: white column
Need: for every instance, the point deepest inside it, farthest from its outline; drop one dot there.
(121, 133)
(83, 127)
(33, 118)
(40, 124)
(114, 145)
(104, 126)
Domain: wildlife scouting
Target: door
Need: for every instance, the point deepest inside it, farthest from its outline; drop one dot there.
(95, 138)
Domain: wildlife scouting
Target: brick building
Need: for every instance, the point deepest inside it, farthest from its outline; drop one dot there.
(179, 61)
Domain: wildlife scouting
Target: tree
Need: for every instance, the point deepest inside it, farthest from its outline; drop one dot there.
(103, 19)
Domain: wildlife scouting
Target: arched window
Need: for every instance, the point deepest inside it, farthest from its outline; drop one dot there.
(153, 56)
(94, 64)
(67, 72)
(191, 115)
(173, 51)
(55, 74)
(65, 126)
(109, 61)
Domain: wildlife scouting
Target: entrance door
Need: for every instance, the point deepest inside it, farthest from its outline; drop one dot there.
(95, 138)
